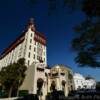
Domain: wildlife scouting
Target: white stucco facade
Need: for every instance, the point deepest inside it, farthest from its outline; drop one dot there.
(57, 74)
(34, 73)
(31, 45)
(82, 83)
(63, 78)
(90, 84)
(79, 81)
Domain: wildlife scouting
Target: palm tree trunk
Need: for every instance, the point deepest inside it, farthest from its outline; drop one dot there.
(10, 91)
(18, 91)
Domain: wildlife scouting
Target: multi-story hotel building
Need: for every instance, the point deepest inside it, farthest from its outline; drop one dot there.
(30, 45)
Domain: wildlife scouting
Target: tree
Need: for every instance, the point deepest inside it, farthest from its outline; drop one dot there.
(91, 8)
(87, 43)
(12, 76)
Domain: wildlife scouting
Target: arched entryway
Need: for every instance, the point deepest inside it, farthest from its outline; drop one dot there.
(63, 85)
(53, 86)
(39, 86)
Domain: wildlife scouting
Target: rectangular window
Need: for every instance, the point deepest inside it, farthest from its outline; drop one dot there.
(30, 47)
(34, 49)
(30, 40)
(34, 56)
(29, 55)
(28, 62)
(35, 42)
(31, 34)
(38, 44)
(37, 57)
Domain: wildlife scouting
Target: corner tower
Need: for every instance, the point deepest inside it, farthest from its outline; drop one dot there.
(35, 45)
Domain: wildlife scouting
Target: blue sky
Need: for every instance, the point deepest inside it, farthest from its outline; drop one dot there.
(58, 29)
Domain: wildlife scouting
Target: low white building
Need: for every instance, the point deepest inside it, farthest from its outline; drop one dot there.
(81, 82)
(90, 83)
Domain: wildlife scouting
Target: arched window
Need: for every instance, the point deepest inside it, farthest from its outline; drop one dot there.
(39, 86)
(63, 85)
(53, 86)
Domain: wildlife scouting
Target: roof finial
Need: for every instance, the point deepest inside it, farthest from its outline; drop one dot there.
(31, 21)
(31, 24)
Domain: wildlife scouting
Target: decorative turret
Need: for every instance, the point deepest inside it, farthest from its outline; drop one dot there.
(31, 24)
